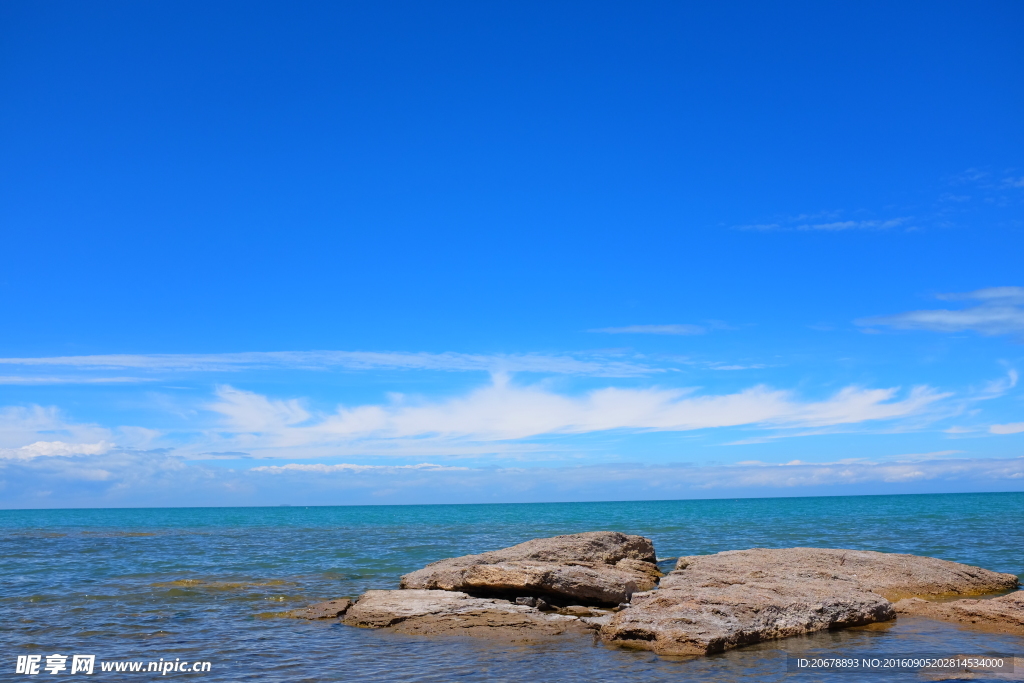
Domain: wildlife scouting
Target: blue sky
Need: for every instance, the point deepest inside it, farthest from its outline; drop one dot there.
(332, 253)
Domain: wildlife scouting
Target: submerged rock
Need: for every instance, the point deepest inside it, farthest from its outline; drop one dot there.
(440, 612)
(716, 602)
(332, 609)
(578, 611)
(597, 567)
(1004, 614)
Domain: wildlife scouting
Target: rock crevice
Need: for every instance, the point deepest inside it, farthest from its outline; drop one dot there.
(597, 568)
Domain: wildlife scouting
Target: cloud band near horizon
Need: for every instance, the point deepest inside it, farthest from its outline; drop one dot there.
(148, 479)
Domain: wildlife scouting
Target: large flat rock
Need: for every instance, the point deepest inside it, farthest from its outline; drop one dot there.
(716, 602)
(598, 567)
(440, 612)
(894, 576)
(700, 620)
(1004, 614)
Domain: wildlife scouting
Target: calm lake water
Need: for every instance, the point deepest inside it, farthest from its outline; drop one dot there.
(203, 583)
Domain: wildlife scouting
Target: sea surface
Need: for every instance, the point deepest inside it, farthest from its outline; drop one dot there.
(205, 584)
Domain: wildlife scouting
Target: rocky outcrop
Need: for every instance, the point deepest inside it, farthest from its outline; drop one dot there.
(893, 576)
(558, 586)
(711, 617)
(332, 609)
(596, 568)
(716, 602)
(1004, 614)
(440, 612)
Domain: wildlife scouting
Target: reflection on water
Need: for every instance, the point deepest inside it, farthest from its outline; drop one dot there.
(205, 584)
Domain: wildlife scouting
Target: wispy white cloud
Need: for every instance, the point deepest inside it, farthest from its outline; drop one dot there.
(1000, 294)
(654, 329)
(837, 226)
(51, 448)
(600, 365)
(998, 387)
(988, 179)
(967, 192)
(134, 478)
(727, 366)
(107, 476)
(804, 474)
(1012, 428)
(913, 457)
(56, 379)
(1000, 311)
(827, 222)
(34, 431)
(960, 429)
(246, 411)
(504, 411)
(20, 425)
(348, 467)
(753, 474)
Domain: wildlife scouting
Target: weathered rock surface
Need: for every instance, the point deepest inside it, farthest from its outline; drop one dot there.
(1004, 614)
(716, 602)
(598, 568)
(331, 609)
(578, 611)
(597, 622)
(553, 586)
(893, 576)
(704, 619)
(440, 612)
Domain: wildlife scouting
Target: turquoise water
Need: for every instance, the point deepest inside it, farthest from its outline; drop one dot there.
(203, 583)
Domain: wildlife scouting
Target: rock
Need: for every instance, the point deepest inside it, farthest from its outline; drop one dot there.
(711, 617)
(576, 611)
(539, 603)
(640, 566)
(893, 576)
(440, 612)
(716, 602)
(598, 567)
(1004, 614)
(707, 604)
(597, 622)
(332, 609)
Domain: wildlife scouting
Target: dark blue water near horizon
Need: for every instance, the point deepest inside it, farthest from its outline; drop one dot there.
(208, 583)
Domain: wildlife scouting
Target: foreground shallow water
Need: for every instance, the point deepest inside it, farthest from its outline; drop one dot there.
(205, 584)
